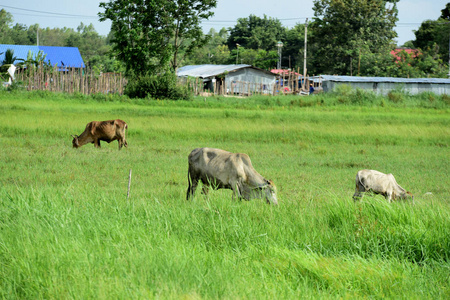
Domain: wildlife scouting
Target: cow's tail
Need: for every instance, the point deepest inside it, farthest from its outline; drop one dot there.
(360, 182)
(125, 128)
(188, 192)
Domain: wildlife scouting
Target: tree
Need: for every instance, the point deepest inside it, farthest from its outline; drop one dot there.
(37, 59)
(214, 51)
(188, 34)
(431, 33)
(5, 23)
(256, 33)
(418, 64)
(92, 46)
(445, 13)
(148, 36)
(32, 34)
(19, 35)
(347, 30)
(10, 59)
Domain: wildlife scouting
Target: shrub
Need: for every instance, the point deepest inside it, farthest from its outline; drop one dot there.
(395, 96)
(163, 86)
(446, 99)
(346, 95)
(359, 96)
(343, 89)
(15, 86)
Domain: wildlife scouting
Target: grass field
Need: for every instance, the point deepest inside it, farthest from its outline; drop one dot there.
(67, 229)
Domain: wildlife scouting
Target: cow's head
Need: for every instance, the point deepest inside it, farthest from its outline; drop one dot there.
(405, 196)
(409, 195)
(270, 192)
(75, 142)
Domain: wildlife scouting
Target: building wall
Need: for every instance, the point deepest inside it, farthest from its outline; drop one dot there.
(248, 80)
(385, 87)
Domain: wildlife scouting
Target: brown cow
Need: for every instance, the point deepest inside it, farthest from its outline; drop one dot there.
(379, 183)
(107, 131)
(222, 169)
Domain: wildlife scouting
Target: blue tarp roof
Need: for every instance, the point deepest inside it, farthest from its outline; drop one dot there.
(61, 56)
(383, 79)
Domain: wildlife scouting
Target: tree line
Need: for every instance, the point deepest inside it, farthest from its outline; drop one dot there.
(345, 37)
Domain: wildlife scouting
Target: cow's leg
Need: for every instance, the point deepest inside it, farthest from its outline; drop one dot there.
(388, 197)
(97, 143)
(120, 143)
(206, 184)
(192, 186)
(236, 191)
(358, 194)
(205, 189)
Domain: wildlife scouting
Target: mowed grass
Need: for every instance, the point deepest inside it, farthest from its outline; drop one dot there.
(67, 229)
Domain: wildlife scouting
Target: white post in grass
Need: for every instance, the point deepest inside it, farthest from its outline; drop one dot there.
(129, 185)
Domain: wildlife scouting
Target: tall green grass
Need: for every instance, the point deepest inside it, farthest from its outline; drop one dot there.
(67, 229)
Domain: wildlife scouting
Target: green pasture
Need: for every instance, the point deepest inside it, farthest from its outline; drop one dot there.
(67, 229)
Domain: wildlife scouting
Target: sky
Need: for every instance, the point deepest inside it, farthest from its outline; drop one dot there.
(70, 13)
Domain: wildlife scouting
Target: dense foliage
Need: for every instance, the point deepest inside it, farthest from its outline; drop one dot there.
(168, 36)
(94, 48)
(432, 37)
(161, 86)
(256, 33)
(148, 36)
(346, 30)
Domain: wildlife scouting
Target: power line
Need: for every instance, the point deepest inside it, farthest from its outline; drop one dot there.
(48, 13)
(63, 17)
(234, 21)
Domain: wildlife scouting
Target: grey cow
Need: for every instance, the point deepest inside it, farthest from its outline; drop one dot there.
(222, 169)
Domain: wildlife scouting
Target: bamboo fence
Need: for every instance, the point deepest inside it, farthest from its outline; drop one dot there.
(86, 81)
(71, 80)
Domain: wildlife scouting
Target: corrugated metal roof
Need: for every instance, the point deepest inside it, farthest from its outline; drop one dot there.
(20, 51)
(205, 71)
(383, 79)
(61, 56)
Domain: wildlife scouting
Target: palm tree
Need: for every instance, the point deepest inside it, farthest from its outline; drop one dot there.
(10, 59)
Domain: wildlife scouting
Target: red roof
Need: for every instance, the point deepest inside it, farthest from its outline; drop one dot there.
(284, 72)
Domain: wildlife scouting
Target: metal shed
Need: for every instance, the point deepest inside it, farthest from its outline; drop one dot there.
(383, 85)
(231, 79)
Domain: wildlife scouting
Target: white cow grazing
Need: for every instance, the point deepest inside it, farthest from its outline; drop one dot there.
(221, 169)
(379, 183)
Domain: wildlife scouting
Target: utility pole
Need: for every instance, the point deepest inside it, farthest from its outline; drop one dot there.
(304, 55)
(359, 61)
(37, 36)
